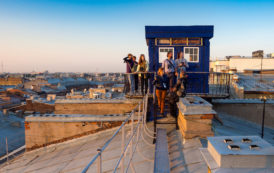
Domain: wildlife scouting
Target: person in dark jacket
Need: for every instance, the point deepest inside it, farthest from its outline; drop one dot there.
(128, 60)
(161, 83)
(179, 90)
(173, 99)
(181, 84)
(134, 70)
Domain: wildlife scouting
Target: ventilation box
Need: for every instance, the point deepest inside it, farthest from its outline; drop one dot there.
(239, 154)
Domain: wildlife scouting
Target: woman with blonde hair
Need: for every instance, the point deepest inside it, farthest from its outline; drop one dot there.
(143, 67)
(161, 83)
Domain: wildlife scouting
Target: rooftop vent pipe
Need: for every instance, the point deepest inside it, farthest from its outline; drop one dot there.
(233, 147)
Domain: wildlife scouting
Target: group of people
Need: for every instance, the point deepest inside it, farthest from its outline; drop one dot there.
(171, 78)
(137, 71)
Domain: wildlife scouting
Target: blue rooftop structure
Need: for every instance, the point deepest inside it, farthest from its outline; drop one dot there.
(179, 31)
(192, 40)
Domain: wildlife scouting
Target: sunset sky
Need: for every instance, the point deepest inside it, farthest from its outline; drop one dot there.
(94, 36)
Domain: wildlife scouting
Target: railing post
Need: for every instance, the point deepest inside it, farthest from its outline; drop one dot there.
(264, 100)
(99, 162)
(7, 150)
(131, 142)
(228, 84)
(154, 121)
(122, 150)
(144, 109)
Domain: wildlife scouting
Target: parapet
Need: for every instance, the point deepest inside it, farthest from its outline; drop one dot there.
(74, 118)
(87, 100)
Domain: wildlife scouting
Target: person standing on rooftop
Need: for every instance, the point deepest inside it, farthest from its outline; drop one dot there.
(181, 64)
(134, 70)
(128, 60)
(169, 68)
(143, 67)
(161, 84)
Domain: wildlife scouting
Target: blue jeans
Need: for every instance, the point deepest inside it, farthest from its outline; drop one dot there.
(131, 83)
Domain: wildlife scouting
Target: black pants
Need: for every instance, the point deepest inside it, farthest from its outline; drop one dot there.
(184, 81)
(173, 109)
(136, 81)
(144, 83)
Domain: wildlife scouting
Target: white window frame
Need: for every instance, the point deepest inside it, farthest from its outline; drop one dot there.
(198, 55)
(162, 59)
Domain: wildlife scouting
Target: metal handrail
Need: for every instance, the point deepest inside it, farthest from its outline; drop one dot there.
(105, 146)
(100, 150)
(125, 149)
(148, 72)
(137, 88)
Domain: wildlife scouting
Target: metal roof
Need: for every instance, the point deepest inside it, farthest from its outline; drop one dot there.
(179, 31)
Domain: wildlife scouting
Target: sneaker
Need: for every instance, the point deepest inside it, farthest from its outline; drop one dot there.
(160, 115)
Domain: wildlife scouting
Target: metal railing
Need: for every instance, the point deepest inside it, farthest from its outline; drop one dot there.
(135, 132)
(141, 83)
(211, 84)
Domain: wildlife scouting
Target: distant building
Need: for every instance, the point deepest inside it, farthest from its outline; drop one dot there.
(36, 84)
(95, 93)
(10, 81)
(258, 54)
(51, 97)
(244, 63)
(241, 64)
(118, 88)
(76, 95)
(270, 55)
(219, 65)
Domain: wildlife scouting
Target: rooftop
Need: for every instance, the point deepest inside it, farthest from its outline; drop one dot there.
(255, 83)
(74, 155)
(12, 128)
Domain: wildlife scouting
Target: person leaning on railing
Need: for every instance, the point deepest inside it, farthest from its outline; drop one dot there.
(161, 83)
(143, 67)
(130, 64)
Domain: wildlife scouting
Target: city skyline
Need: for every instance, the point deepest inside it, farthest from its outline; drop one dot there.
(94, 36)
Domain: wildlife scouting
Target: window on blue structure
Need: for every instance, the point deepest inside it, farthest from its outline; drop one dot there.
(191, 54)
(163, 52)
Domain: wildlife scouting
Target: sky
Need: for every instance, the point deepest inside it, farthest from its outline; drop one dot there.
(94, 36)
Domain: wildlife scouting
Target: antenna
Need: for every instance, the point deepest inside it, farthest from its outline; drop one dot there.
(2, 64)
